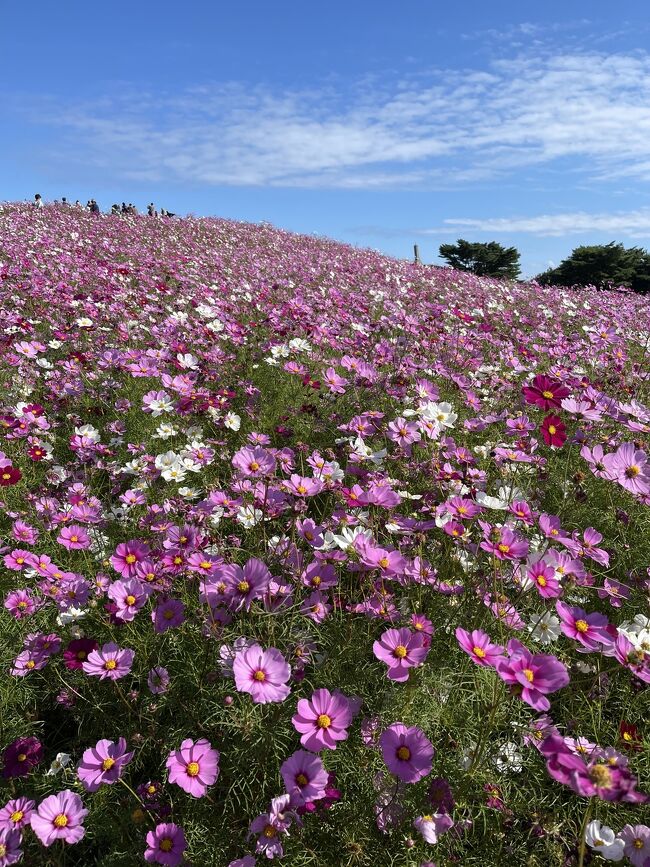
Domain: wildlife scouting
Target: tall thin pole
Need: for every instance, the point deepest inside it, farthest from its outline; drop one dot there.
(416, 255)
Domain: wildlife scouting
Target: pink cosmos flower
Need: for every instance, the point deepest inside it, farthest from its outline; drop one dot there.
(269, 828)
(73, 537)
(322, 720)
(404, 433)
(10, 842)
(590, 630)
(262, 673)
(637, 844)
(59, 817)
(16, 814)
(168, 614)
(432, 827)
(77, 652)
(305, 778)
(508, 546)
(127, 556)
(400, 649)
(632, 658)
(545, 392)
(543, 577)
(129, 597)
(103, 763)
(334, 382)
(158, 680)
(532, 676)
(20, 603)
(194, 767)
(165, 845)
(110, 662)
(245, 585)
(303, 486)
(254, 462)
(479, 647)
(407, 751)
(629, 467)
(589, 776)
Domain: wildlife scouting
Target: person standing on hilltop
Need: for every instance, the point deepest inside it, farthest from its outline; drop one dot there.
(38, 201)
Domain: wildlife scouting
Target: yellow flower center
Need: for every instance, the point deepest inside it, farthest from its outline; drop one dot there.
(547, 394)
(302, 780)
(243, 587)
(254, 466)
(478, 651)
(74, 538)
(130, 599)
(601, 776)
(400, 651)
(529, 675)
(168, 614)
(270, 832)
(151, 790)
(60, 821)
(324, 721)
(192, 769)
(30, 663)
(130, 558)
(3, 850)
(503, 548)
(166, 844)
(204, 564)
(638, 843)
(552, 429)
(107, 764)
(403, 754)
(17, 815)
(259, 676)
(582, 626)
(384, 562)
(316, 581)
(21, 757)
(110, 665)
(301, 489)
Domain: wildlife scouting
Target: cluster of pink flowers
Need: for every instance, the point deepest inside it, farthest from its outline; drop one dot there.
(262, 476)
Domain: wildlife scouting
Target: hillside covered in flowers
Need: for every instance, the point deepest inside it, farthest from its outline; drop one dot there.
(314, 555)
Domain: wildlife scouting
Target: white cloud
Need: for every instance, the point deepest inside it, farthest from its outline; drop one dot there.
(585, 112)
(633, 224)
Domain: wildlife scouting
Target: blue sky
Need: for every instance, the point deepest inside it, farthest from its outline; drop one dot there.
(380, 124)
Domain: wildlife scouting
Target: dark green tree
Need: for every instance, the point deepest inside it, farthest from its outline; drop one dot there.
(485, 260)
(603, 265)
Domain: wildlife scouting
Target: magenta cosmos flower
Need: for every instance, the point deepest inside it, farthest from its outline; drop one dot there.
(168, 614)
(532, 676)
(76, 653)
(21, 756)
(400, 649)
(478, 646)
(553, 431)
(127, 556)
(245, 585)
(59, 817)
(254, 461)
(103, 763)
(111, 661)
(589, 777)
(590, 630)
(629, 467)
(194, 767)
(165, 845)
(407, 751)
(262, 673)
(636, 839)
(545, 392)
(322, 720)
(304, 777)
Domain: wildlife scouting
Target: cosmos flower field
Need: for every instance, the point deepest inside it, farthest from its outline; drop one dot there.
(314, 555)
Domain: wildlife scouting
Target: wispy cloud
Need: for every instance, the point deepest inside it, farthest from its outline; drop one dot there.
(633, 224)
(586, 112)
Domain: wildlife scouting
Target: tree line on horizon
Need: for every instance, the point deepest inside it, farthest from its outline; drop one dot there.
(605, 266)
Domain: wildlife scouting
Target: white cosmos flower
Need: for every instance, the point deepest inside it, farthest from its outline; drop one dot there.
(84, 322)
(70, 615)
(232, 421)
(161, 405)
(441, 413)
(166, 460)
(248, 516)
(346, 538)
(88, 432)
(187, 361)
(604, 841)
(165, 430)
(509, 758)
(545, 629)
(175, 473)
(61, 760)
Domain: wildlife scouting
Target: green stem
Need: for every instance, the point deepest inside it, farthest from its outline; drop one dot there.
(583, 828)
